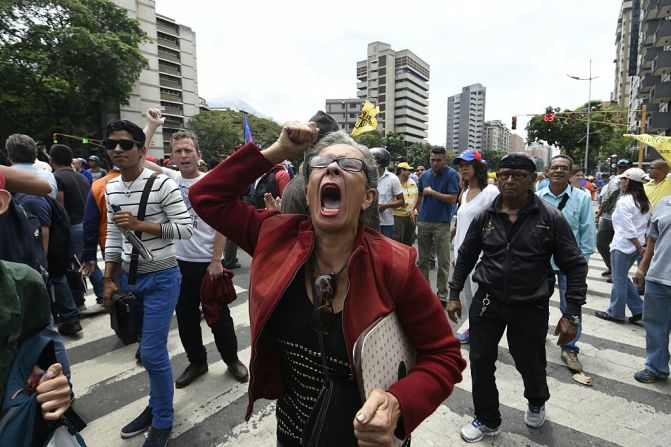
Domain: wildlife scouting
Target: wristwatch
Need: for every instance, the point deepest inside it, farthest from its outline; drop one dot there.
(573, 319)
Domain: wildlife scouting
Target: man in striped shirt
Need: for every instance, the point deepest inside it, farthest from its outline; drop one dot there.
(157, 283)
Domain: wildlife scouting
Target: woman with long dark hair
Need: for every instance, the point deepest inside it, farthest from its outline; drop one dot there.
(477, 195)
(630, 223)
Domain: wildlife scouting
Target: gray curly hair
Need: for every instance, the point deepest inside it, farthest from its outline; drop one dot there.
(370, 216)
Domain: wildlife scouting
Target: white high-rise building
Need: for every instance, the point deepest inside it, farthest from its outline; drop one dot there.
(495, 136)
(466, 118)
(170, 81)
(345, 111)
(398, 82)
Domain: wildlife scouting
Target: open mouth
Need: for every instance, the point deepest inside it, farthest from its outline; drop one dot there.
(330, 199)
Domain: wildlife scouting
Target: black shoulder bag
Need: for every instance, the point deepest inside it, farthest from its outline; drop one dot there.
(125, 316)
(330, 422)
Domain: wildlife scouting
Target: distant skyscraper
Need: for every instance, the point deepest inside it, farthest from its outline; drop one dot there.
(625, 66)
(495, 136)
(466, 118)
(397, 81)
(344, 111)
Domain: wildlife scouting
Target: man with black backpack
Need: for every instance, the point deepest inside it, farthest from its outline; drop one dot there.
(54, 226)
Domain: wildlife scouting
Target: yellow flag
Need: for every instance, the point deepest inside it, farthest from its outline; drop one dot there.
(367, 119)
(661, 143)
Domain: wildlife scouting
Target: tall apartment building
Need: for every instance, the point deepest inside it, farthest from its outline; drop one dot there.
(466, 118)
(516, 143)
(625, 54)
(170, 81)
(652, 84)
(495, 136)
(344, 111)
(398, 82)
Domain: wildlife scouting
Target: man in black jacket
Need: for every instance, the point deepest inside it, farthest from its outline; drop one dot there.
(517, 235)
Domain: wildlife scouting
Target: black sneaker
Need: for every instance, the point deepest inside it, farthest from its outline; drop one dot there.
(157, 437)
(636, 319)
(70, 329)
(138, 425)
(606, 273)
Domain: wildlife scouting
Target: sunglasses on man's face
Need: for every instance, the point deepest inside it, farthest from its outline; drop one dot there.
(324, 289)
(111, 144)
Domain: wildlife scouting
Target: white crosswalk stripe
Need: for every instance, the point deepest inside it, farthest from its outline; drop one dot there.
(111, 389)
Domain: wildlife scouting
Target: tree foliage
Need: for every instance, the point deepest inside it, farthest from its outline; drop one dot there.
(569, 129)
(220, 132)
(493, 158)
(63, 62)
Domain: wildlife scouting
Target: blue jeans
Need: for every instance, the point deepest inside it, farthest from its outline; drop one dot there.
(387, 230)
(63, 300)
(61, 354)
(77, 240)
(561, 285)
(657, 318)
(623, 292)
(158, 293)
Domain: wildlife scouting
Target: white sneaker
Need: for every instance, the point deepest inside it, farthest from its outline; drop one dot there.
(92, 310)
(476, 430)
(534, 416)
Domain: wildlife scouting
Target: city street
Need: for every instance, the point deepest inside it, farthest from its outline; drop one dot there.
(111, 388)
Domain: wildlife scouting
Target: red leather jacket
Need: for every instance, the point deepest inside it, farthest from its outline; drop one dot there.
(382, 277)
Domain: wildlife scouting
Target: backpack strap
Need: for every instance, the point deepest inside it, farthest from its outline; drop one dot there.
(142, 208)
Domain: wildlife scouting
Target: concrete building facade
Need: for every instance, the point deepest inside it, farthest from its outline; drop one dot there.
(516, 143)
(495, 136)
(466, 118)
(170, 81)
(541, 151)
(398, 82)
(625, 64)
(345, 111)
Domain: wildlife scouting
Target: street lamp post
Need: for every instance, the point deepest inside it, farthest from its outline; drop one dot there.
(589, 107)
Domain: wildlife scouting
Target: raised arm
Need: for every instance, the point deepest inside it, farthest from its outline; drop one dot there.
(21, 181)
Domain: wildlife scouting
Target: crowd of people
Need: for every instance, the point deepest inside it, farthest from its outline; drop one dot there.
(333, 250)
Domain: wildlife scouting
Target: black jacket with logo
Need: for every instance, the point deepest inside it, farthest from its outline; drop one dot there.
(515, 266)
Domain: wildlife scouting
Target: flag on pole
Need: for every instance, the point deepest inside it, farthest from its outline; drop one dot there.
(247, 132)
(661, 143)
(367, 119)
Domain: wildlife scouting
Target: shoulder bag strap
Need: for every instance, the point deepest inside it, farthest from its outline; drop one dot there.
(134, 257)
(320, 337)
(564, 199)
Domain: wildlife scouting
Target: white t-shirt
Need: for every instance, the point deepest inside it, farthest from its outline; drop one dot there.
(628, 223)
(467, 212)
(388, 187)
(201, 245)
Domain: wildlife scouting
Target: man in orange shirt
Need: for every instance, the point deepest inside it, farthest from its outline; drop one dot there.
(95, 233)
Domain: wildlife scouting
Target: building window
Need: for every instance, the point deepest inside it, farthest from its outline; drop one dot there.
(382, 61)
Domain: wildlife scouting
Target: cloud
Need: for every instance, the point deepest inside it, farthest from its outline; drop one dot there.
(286, 58)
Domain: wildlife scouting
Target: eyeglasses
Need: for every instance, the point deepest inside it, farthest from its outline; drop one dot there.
(126, 145)
(346, 163)
(560, 168)
(517, 175)
(325, 288)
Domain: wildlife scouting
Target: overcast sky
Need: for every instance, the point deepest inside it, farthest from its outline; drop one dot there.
(285, 58)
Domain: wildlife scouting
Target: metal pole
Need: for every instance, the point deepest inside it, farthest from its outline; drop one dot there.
(641, 145)
(589, 114)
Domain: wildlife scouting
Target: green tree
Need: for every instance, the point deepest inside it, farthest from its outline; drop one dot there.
(395, 143)
(493, 158)
(63, 62)
(371, 139)
(569, 129)
(220, 132)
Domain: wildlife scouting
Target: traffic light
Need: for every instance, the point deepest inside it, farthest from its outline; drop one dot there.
(85, 140)
(549, 117)
(514, 123)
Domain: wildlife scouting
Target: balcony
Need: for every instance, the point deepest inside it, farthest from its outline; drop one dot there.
(662, 63)
(171, 97)
(167, 43)
(661, 93)
(648, 82)
(171, 109)
(170, 69)
(167, 81)
(664, 8)
(167, 29)
(168, 56)
(648, 55)
(660, 121)
(362, 85)
(651, 8)
(173, 123)
(663, 33)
